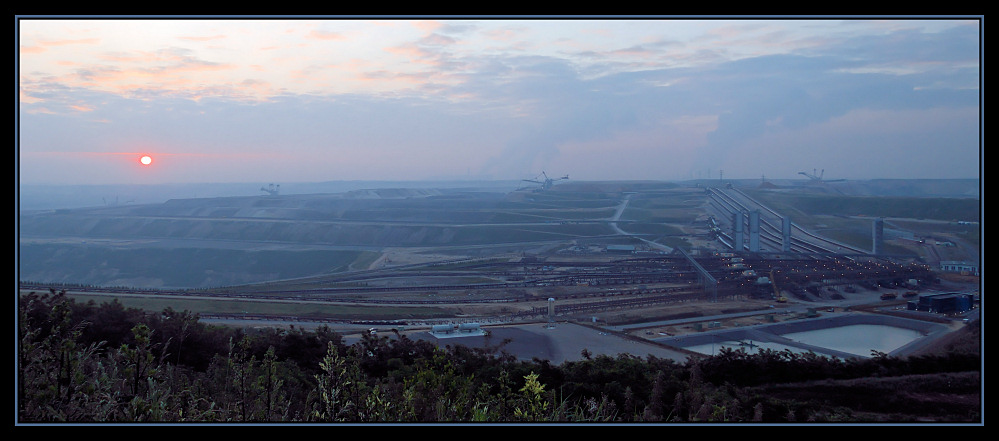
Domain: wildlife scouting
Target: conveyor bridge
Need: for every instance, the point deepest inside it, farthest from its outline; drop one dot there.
(703, 277)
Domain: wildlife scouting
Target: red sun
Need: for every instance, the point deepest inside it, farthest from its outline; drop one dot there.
(146, 160)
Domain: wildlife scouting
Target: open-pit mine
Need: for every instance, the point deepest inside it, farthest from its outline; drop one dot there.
(693, 255)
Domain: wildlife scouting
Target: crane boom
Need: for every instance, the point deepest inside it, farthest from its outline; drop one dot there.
(271, 189)
(547, 182)
(819, 176)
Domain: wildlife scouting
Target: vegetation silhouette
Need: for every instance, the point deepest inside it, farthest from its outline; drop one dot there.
(89, 363)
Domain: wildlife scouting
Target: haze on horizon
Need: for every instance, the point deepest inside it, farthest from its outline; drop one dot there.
(313, 100)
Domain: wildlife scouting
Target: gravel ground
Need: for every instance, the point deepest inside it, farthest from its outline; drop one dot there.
(559, 343)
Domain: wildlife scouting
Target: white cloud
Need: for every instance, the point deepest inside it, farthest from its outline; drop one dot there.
(499, 98)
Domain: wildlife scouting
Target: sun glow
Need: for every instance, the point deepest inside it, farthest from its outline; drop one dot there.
(146, 160)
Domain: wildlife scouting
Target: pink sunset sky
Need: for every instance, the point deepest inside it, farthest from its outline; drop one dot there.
(312, 99)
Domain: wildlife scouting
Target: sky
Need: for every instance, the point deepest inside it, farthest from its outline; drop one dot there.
(307, 99)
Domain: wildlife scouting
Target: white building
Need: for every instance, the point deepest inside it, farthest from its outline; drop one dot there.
(955, 266)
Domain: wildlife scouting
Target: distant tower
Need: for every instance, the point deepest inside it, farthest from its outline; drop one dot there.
(878, 235)
(551, 312)
(754, 231)
(738, 225)
(785, 226)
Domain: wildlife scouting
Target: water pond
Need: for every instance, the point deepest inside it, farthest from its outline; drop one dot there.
(856, 339)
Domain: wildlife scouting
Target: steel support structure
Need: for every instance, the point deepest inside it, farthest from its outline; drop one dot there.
(708, 281)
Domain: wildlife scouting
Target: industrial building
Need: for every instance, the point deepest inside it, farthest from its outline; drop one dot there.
(943, 303)
(621, 248)
(953, 266)
(459, 330)
(878, 236)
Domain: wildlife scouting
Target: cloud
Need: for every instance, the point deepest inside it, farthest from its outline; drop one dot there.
(502, 99)
(317, 34)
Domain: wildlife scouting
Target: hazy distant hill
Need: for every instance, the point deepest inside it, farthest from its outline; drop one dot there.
(47, 197)
(950, 188)
(947, 188)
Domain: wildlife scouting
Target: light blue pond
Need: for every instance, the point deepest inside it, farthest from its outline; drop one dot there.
(748, 346)
(858, 339)
(845, 336)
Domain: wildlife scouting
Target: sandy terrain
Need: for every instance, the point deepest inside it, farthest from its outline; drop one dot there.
(558, 343)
